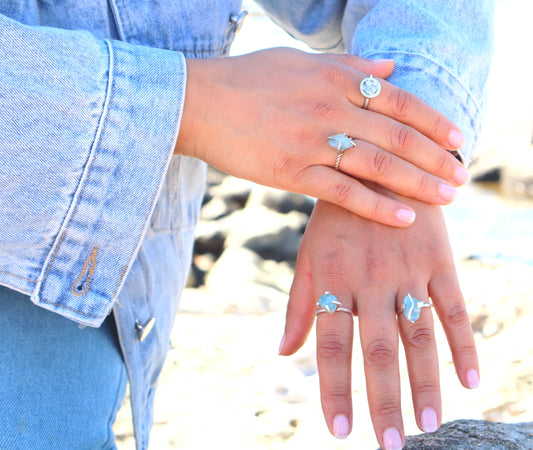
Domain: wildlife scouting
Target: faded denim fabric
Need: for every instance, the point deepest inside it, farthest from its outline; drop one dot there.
(96, 213)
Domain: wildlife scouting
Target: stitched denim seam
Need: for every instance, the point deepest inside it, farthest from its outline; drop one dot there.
(18, 276)
(150, 209)
(85, 176)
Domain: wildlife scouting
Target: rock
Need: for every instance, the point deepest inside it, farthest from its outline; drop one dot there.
(517, 175)
(281, 201)
(270, 234)
(475, 434)
(232, 190)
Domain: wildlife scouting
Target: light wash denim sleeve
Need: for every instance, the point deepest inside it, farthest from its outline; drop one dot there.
(442, 50)
(87, 131)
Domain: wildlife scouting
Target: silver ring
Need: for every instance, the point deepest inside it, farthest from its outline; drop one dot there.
(340, 142)
(370, 88)
(328, 303)
(411, 308)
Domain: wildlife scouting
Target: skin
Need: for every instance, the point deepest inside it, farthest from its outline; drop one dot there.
(266, 117)
(370, 267)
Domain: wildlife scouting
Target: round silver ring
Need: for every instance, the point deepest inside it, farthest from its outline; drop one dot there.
(370, 88)
(412, 307)
(328, 303)
(340, 142)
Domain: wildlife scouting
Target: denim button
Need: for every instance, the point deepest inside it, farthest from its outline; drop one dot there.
(144, 330)
(237, 20)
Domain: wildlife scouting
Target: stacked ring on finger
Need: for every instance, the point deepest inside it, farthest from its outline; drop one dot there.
(340, 142)
(370, 88)
(412, 307)
(328, 303)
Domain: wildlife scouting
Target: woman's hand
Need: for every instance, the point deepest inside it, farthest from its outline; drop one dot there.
(266, 117)
(370, 268)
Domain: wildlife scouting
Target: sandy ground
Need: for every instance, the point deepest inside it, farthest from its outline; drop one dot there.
(224, 386)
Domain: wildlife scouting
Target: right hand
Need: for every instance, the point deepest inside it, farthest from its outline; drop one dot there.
(266, 117)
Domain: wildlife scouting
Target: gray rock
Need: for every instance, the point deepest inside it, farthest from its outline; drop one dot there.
(270, 234)
(281, 201)
(475, 434)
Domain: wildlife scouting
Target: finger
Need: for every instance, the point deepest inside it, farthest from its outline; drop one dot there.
(381, 68)
(301, 308)
(368, 162)
(334, 360)
(335, 187)
(408, 109)
(405, 142)
(418, 339)
(379, 341)
(450, 306)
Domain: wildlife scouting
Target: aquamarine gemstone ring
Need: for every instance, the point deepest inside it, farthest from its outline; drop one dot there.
(340, 142)
(328, 303)
(411, 308)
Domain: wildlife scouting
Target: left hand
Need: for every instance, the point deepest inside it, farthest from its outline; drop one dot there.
(370, 268)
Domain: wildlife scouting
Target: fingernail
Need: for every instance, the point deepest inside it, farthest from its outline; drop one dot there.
(405, 215)
(281, 344)
(341, 426)
(392, 439)
(461, 175)
(447, 192)
(382, 60)
(456, 139)
(429, 420)
(472, 379)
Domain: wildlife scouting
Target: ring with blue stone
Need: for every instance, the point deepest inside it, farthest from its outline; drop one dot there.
(411, 308)
(340, 142)
(370, 88)
(328, 303)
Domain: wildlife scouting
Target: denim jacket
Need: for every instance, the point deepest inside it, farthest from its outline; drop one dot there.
(96, 213)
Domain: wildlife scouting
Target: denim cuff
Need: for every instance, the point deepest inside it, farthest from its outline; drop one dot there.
(120, 185)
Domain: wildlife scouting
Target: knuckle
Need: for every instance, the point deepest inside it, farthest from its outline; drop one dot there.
(457, 315)
(331, 73)
(381, 163)
(464, 351)
(322, 110)
(423, 184)
(419, 337)
(443, 162)
(386, 409)
(379, 354)
(402, 138)
(307, 136)
(336, 394)
(426, 387)
(437, 126)
(400, 103)
(333, 347)
(284, 167)
(342, 192)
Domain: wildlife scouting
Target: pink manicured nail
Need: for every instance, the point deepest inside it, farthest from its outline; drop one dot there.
(406, 215)
(447, 192)
(429, 420)
(461, 176)
(456, 139)
(472, 379)
(392, 439)
(341, 426)
(281, 344)
(382, 60)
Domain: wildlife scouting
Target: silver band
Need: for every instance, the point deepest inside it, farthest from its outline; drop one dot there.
(340, 308)
(370, 88)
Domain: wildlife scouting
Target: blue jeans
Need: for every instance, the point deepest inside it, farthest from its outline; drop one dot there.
(60, 385)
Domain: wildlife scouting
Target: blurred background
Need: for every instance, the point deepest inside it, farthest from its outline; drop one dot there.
(224, 386)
